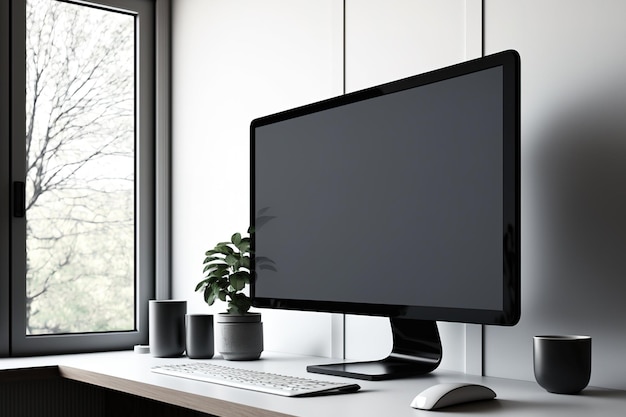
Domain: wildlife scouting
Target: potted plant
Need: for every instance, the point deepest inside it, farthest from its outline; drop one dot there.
(227, 273)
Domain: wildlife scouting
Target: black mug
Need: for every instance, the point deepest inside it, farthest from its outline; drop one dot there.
(562, 363)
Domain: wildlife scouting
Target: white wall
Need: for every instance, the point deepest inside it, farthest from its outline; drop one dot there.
(392, 39)
(573, 56)
(234, 61)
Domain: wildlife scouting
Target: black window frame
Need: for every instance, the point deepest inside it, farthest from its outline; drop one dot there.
(152, 191)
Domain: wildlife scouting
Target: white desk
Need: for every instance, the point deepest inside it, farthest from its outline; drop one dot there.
(130, 372)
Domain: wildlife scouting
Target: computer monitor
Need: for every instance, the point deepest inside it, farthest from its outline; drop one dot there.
(401, 200)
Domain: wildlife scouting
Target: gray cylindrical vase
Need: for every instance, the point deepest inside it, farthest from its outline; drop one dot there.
(241, 336)
(167, 327)
(199, 336)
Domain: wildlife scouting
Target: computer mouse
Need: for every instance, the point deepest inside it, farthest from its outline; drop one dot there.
(447, 394)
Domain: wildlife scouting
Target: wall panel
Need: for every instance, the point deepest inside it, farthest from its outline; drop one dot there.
(573, 173)
(233, 61)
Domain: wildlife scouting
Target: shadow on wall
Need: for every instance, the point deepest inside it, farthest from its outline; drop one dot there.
(578, 192)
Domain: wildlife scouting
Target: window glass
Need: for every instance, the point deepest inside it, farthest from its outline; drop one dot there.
(80, 169)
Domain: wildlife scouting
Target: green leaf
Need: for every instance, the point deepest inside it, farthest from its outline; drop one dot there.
(209, 295)
(215, 267)
(239, 280)
(237, 284)
(213, 252)
(211, 259)
(239, 304)
(213, 279)
(217, 287)
(244, 245)
(201, 284)
(221, 248)
(236, 239)
(232, 260)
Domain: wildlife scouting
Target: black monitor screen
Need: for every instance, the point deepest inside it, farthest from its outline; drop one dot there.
(400, 200)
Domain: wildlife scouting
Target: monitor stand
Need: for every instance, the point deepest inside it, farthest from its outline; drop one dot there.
(416, 351)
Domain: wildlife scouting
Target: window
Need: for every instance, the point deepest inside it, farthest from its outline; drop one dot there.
(81, 256)
(80, 173)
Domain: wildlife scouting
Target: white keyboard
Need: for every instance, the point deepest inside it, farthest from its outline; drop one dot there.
(288, 386)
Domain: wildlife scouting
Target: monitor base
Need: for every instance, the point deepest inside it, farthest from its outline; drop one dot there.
(416, 351)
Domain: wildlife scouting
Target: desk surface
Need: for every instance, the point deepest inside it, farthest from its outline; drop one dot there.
(130, 372)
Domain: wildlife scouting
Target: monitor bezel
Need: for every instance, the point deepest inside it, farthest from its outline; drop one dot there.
(510, 313)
